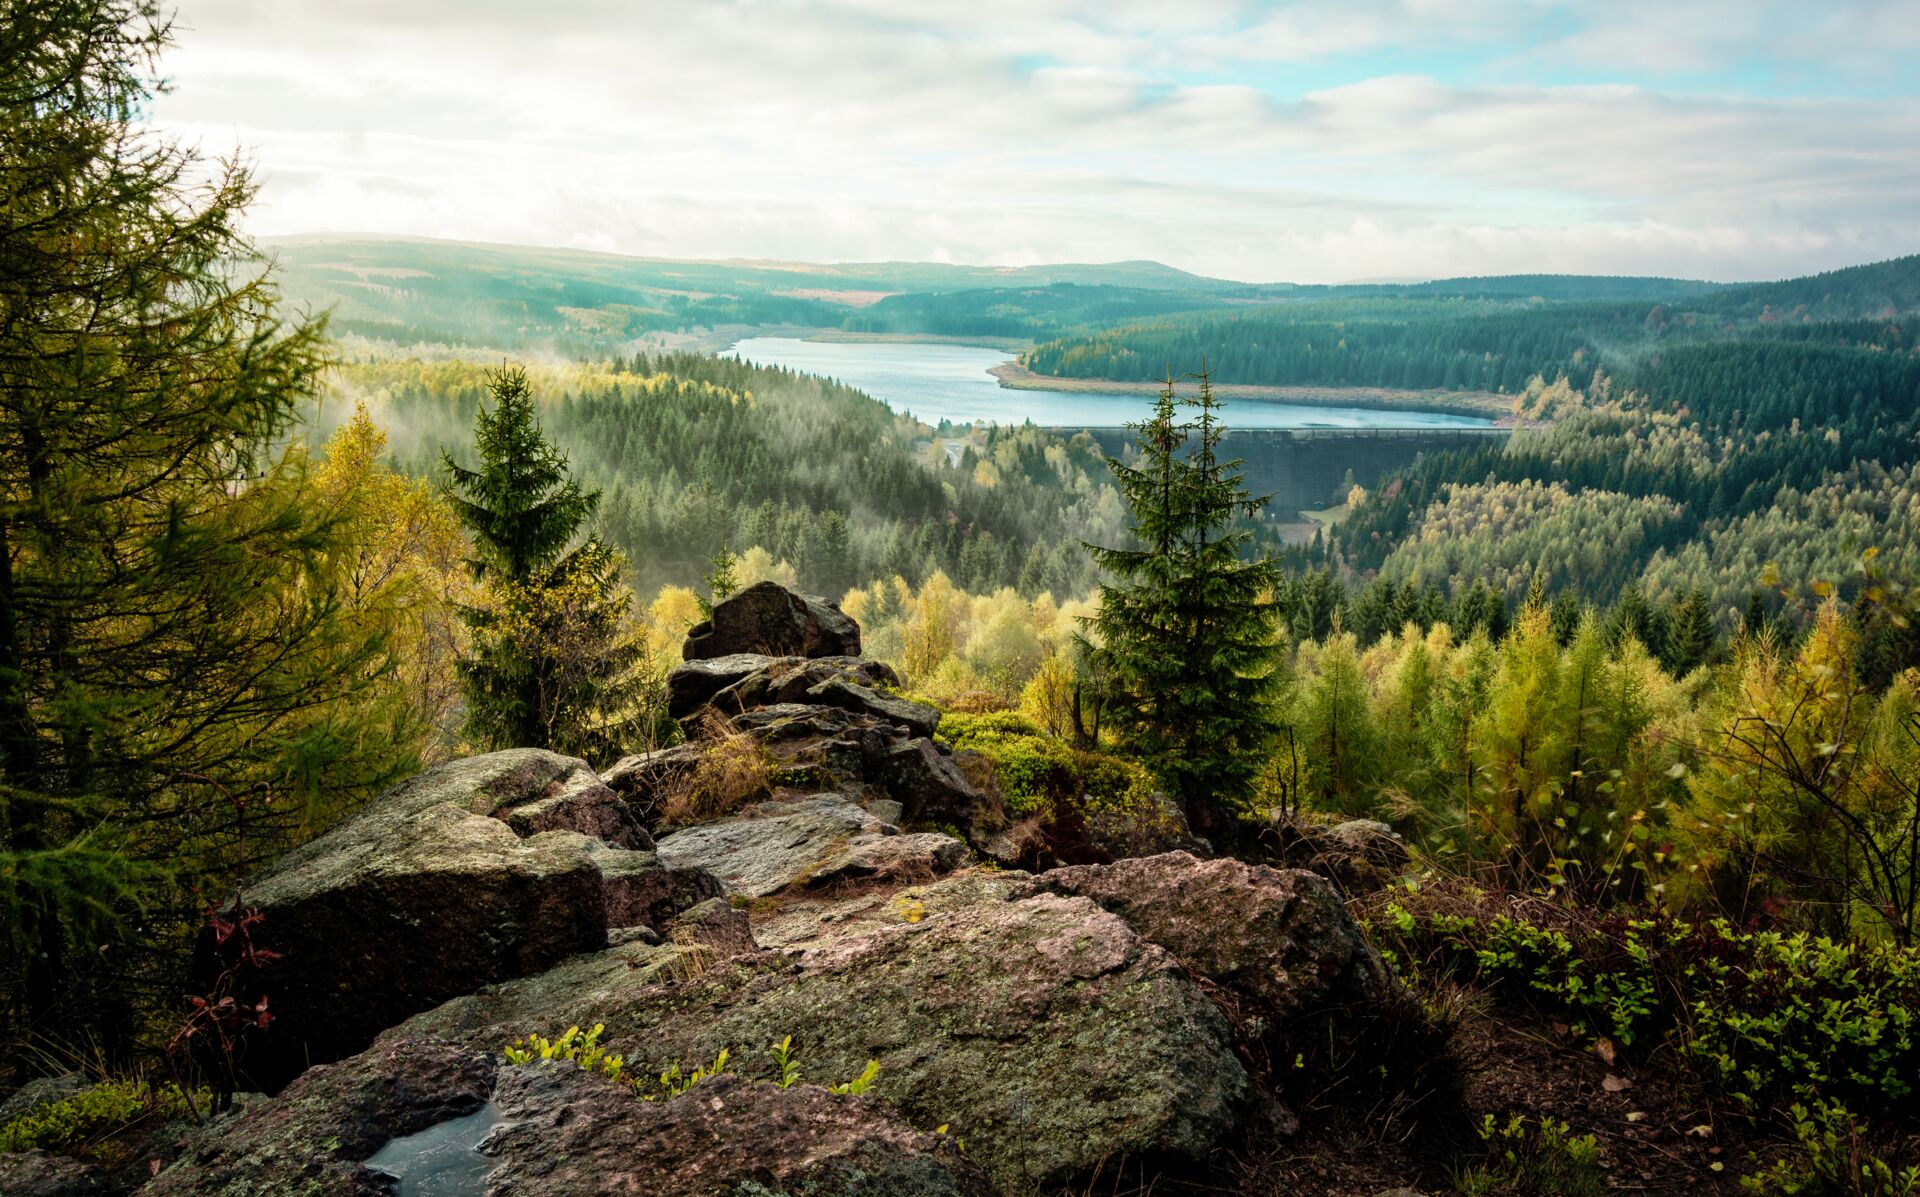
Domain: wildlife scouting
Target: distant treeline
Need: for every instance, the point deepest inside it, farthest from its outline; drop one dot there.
(693, 453)
(1717, 449)
(1453, 344)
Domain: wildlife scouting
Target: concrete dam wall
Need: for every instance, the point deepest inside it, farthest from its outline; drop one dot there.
(1303, 466)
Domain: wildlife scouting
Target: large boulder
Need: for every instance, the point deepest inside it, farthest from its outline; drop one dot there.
(567, 1132)
(1044, 1032)
(472, 872)
(769, 619)
(932, 790)
(813, 841)
(1280, 936)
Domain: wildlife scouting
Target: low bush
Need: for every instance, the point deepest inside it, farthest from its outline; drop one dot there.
(1763, 1016)
(1836, 1156)
(1541, 1158)
(1036, 770)
(73, 1125)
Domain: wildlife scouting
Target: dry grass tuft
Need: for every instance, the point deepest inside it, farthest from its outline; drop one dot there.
(732, 774)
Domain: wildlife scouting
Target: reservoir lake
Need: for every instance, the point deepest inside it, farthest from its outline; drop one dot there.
(950, 382)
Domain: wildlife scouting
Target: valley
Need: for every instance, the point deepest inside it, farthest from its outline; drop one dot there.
(859, 662)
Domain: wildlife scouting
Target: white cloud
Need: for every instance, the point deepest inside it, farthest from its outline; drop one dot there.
(1005, 129)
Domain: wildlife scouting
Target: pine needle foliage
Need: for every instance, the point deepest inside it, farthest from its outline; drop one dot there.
(554, 657)
(170, 597)
(1186, 627)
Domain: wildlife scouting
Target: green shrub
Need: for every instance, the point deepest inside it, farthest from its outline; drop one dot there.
(1036, 770)
(1835, 1159)
(72, 1124)
(1535, 1159)
(1763, 1016)
(961, 729)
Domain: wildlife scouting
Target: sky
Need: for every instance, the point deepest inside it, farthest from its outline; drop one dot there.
(1323, 141)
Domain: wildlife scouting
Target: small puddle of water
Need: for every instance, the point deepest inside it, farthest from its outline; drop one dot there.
(444, 1160)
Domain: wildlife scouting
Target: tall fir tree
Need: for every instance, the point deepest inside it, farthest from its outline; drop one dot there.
(173, 624)
(553, 658)
(1187, 629)
(1692, 639)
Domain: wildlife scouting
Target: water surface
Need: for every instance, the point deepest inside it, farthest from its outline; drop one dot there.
(950, 382)
(443, 1160)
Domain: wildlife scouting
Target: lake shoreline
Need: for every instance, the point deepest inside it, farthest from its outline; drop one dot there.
(958, 384)
(841, 336)
(1486, 404)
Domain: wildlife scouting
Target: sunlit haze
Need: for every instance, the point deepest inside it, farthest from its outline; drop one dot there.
(1307, 142)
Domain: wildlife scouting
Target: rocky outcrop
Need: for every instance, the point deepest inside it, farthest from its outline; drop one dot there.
(473, 872)
(810, 842)
(1280, 936)
(566, 1132)
(769, 619)
(312, 1139)
(827, 724)
(1054, 1023)
(1044, 1031)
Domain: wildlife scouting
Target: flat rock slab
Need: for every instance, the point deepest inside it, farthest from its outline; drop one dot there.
(1044, 1031)
(566, 1133)
(743, 681)
(692, 685)
(916, 718)
(811, 842)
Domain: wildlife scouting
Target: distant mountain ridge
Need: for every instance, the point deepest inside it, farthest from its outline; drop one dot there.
(410, 290)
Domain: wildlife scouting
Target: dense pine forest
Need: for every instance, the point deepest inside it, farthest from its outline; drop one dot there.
(1547, 820)
(697, 453)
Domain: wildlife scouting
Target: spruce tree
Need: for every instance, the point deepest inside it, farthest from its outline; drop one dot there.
(1186, 628)
(1691, 638)
(552, 661)
(172, 622)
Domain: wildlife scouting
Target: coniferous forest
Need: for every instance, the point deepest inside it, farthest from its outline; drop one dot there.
(443, 694)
